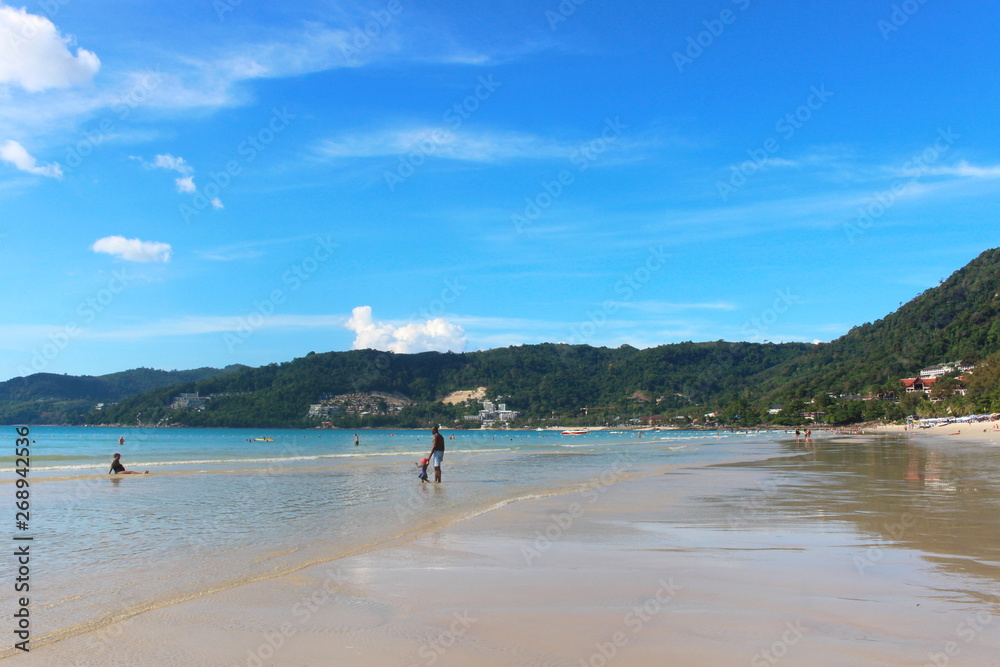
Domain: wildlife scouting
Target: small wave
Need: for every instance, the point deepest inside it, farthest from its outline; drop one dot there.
(91, 465)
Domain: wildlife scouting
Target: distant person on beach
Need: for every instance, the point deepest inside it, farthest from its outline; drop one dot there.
(118, 469)
(121, 441)
(356, 441)
(423, 463)
(437, 453)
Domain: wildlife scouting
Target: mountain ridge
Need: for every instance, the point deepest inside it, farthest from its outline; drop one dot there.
(958, 319)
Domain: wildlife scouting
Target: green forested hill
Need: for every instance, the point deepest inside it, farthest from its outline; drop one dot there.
(54, 399)
(958, 320)
(538, 380)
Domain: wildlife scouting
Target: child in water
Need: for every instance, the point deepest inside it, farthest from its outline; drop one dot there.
(423, 463)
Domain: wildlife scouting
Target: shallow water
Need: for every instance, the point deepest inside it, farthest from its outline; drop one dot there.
(220, 507)
(218, 511)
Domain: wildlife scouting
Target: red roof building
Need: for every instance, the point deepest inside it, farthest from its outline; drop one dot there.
(918, 384)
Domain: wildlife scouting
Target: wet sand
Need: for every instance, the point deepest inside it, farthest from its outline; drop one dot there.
(850, 550)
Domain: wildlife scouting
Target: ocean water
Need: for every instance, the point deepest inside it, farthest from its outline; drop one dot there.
(221, 507)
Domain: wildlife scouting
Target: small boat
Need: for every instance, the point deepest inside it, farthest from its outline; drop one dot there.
(575, 432)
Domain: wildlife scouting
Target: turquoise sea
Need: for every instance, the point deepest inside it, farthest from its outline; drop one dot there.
(225, 506)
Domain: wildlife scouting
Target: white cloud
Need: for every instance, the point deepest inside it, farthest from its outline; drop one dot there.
(15, 153)
(133, 250)
(185, 184)
(36, 57)
(966, 170)
(434, 335)
(167, 161)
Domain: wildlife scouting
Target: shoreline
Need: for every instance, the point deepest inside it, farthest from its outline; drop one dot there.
(714, 564)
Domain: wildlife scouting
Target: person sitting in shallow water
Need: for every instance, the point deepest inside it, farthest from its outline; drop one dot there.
(118, 469)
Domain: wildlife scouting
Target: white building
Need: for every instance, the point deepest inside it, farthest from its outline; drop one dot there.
(943, 369)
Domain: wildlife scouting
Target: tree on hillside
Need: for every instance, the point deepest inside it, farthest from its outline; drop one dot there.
(984, 385)
(911, 402)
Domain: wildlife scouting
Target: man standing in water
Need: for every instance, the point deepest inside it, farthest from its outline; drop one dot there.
(437, 453)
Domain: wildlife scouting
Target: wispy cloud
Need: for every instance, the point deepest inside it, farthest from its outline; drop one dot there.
(654, 307)
(184, 182)
(443, 143)
(248, 249)
(51, 90)
(199, 326)
(17, 155)
(965, 170)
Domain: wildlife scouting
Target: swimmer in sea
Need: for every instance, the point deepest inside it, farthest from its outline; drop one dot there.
(118, 469)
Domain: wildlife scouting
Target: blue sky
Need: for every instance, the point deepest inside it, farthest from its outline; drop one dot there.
(204, 183)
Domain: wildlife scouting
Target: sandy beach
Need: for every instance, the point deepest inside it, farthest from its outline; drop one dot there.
(822, 557)
(976, 432)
